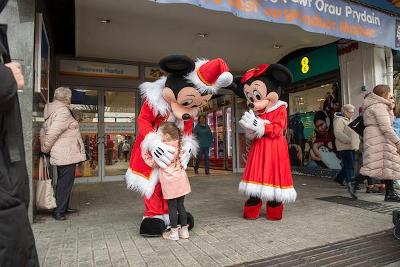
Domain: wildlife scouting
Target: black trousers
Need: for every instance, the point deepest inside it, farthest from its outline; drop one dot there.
(176, 205)
(65, 181)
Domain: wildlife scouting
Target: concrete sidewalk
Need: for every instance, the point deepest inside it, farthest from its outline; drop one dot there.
(106, 230)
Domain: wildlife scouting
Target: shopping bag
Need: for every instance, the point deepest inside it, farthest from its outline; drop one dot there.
(357, 125)
(45, 199)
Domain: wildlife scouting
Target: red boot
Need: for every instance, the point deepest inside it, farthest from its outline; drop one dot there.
(274, 211)
(252, 212)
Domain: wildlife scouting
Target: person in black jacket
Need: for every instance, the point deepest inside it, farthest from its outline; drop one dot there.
(17, 244)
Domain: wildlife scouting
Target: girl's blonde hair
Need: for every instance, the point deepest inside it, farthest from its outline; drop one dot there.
(173, 131)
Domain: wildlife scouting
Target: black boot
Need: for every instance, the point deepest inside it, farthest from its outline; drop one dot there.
(391, 195)
(351, 189)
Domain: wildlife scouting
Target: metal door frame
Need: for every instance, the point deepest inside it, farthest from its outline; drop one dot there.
(101, 135)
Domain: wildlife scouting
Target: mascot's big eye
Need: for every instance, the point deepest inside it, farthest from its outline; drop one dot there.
(257, 94)
(187, 102)
(250, 97)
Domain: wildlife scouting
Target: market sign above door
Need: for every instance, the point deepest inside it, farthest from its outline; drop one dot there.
(316, 62)
(338, 18)
(98, 69)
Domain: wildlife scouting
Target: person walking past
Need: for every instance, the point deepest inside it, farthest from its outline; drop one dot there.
(60, 136)
(381, 157)
(347, 143)
(204, 135)
(126, 148)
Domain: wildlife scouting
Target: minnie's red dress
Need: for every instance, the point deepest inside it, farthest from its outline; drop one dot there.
(267, 174)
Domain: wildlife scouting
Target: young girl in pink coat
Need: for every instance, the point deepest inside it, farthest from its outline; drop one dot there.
(174, 182)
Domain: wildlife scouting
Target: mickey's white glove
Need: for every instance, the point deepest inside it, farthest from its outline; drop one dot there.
(162, 154)
(186, 154)
(251, 122)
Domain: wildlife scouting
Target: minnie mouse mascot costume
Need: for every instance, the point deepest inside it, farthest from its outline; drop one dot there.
(176, 98)
(267, 175)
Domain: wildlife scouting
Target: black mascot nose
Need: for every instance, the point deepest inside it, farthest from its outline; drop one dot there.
(186, 116)
(250, 105)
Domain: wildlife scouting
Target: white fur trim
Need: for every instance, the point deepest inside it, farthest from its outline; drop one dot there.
(223, 80)
(278, 104)
(149, 141)
(192, 140)
(269, 193)
(152, 92)
(136, 182)
(164, 217)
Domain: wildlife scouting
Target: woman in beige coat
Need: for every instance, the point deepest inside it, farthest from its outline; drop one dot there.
(381, 157)
(347, 143)
(61, 137)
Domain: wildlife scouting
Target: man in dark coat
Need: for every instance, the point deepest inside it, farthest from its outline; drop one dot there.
(17, 244)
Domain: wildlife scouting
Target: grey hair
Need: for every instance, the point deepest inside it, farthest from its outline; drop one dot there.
(63, 94)
(348, 108)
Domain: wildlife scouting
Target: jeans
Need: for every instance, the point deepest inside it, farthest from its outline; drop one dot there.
(348, 159)
(203, 151)
(176, 205)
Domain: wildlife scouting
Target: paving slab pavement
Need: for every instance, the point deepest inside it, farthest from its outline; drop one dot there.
(105, 231)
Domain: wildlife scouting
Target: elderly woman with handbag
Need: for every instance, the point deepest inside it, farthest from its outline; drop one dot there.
(61, 137)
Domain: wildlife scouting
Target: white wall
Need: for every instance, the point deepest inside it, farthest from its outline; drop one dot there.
(365, 66)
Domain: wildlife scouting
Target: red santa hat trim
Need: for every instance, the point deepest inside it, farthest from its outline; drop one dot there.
(210, 75)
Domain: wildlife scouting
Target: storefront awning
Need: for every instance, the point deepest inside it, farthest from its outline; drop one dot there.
(337, 18)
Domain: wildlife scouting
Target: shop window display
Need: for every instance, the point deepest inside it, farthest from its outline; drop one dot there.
(310, 128)
(218, 112)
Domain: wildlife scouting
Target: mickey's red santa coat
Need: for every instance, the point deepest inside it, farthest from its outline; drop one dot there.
(267, 175)
(176, 97)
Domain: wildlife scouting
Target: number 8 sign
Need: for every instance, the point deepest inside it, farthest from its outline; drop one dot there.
(304, 65)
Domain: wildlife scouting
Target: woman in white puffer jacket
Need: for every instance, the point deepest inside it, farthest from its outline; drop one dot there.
(60, 136)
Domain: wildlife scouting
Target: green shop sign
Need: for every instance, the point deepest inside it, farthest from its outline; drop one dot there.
(316, 62)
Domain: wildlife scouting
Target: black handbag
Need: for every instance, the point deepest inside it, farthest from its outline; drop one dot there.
(357, 125)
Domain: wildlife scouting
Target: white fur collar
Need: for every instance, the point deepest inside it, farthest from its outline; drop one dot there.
(152, 92)
(277, 105)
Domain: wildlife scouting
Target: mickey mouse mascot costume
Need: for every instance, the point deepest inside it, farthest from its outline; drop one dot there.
(176, 98)
(267, 175)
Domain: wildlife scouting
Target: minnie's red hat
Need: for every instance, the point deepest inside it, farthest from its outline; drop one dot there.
(254, 72)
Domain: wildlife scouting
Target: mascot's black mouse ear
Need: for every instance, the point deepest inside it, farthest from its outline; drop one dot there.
(177, 64)
(237, 87)
(280, 74)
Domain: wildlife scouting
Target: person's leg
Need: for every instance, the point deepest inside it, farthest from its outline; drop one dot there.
(340, 177)
(390, 194)
(207, 159)
(182, 211)
(173, 212)
(348, 164)
(173, 234)
(197, 163)
(65, 181)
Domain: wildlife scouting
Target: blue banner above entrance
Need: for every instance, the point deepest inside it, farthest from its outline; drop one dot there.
(332, 17)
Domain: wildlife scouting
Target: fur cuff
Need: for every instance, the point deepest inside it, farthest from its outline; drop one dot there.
(136, 182)
(149, 141)
(268, 193)
(192, 140)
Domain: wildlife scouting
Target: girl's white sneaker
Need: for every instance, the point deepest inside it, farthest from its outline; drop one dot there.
(171, 234)
(184, 232)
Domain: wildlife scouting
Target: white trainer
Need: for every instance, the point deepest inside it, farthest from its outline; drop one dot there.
(184, 232)
(171, 234)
